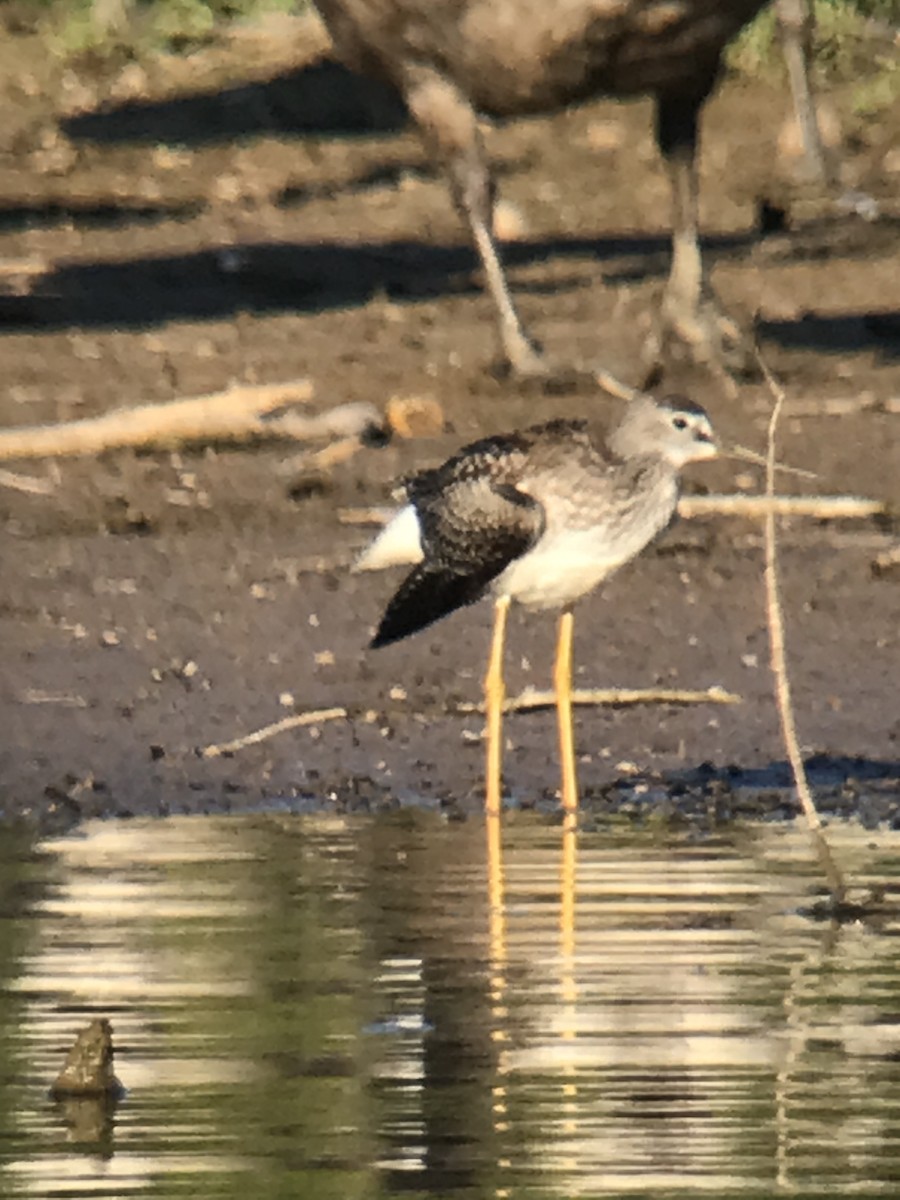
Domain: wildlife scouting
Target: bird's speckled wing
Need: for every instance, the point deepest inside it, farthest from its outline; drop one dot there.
(474, 523)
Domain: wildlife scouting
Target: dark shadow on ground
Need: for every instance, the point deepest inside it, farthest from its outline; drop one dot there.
(273, 277)
(89, 214)
(321, 99)
(843, 333)
(301, 278)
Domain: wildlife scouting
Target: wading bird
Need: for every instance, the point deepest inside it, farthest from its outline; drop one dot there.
(541, 517)
(453, 59)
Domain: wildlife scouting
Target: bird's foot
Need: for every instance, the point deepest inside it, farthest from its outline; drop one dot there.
(524, 358)
(701, 332)
(526, 362)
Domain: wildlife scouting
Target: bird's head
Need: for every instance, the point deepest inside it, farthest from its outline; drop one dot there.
(674, 428)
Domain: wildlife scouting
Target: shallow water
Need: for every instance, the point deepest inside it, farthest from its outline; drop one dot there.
(368, 1007)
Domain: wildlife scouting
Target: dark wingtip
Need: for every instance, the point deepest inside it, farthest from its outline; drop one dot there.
(426, 595)
(397, 623)
(382, 639)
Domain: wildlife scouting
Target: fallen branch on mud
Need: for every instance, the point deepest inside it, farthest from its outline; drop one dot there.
(311, 717)
(22, 266)
(26, 483)
(239, 413)
(404, 416)
(775, 618)
(532, 699)
(527, 701)
(840, 406)
(822, 508)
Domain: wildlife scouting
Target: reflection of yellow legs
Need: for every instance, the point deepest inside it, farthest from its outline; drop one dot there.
(568, 985)
(496, 901)
(567, 890)
(497, 919)
(562, 682)
(494, 695)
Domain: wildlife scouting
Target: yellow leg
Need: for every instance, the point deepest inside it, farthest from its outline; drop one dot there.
(562, 682)
(494, 695)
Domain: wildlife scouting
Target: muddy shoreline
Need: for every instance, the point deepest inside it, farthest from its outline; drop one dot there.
(152, 604)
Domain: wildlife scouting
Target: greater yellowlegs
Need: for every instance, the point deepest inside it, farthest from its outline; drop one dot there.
(456, 60)
(539, 516)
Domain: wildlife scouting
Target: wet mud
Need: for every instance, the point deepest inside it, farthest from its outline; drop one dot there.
(245, 216)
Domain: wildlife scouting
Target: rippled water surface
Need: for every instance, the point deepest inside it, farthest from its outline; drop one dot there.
(320, 1007)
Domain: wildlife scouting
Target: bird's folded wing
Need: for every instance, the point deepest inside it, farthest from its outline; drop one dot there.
(471, 531)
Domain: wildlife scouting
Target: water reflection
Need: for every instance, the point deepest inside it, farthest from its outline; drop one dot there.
(338, 1008)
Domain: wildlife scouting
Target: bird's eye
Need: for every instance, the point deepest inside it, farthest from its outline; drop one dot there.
(679, 422)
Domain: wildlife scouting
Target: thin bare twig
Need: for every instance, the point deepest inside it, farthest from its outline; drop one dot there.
(26, 483)
(531, 698)
(775, 617)
(238, 413)
(312, 717)
(745, 454)
(25, 268)
(373, 515)
(822, 507)
(840, 406)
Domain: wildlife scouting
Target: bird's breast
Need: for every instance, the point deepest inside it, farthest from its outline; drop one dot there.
(580, 547)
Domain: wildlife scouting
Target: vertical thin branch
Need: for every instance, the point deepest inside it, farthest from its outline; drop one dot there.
(775, 617)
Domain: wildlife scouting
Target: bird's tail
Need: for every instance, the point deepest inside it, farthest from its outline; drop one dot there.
(398, 543)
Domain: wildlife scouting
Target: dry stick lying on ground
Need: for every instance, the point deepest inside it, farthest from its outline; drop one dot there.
(311, 717)
(775, 617)
(526, 701)
(840, 406)
(26, 483)
(24, 267)
(531, 698)
(239, 413)
(822, 507)
(770, 505)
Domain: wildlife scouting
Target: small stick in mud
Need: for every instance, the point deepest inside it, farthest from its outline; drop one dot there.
(775, 618)
(822, 508)
(26, 483)
(531, 698)
(527, 700)
(311, 717)
(840, 406)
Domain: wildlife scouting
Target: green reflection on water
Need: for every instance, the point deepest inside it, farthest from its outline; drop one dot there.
(325, 1007)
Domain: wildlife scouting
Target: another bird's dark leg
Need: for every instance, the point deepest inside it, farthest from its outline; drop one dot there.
(796, 21)
(494, 696)
(450, 127)
(562, 683)
(690, 312)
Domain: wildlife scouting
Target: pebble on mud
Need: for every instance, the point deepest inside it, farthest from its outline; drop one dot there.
(886, 565)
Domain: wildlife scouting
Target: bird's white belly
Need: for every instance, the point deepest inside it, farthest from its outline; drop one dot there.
(558, 570)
